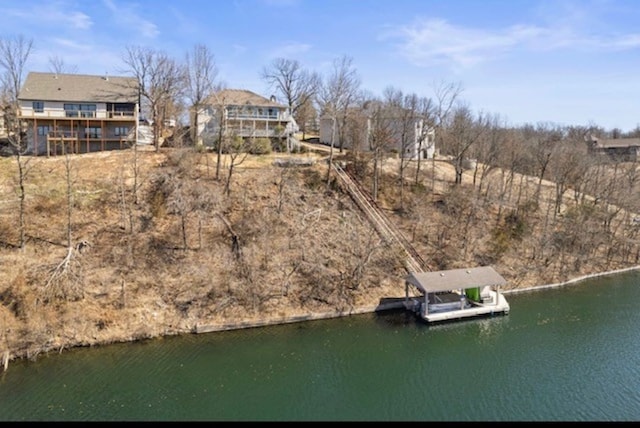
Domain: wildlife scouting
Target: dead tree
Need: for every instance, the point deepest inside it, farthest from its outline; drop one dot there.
(14, 54)
(66, 278)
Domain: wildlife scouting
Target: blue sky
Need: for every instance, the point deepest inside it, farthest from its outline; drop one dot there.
(567, 62)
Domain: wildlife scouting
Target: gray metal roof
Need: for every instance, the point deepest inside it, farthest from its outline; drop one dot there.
(79, 88)
(455, 279)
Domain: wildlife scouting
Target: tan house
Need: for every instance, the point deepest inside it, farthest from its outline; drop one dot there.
(76, 113)
(244, 114)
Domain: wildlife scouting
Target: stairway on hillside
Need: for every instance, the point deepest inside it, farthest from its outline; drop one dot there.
(385, 228)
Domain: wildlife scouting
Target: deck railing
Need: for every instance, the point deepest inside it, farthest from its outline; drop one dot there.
(61, 114)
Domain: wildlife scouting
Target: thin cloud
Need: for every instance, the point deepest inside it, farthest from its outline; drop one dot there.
(73, 44)
(51, 14)
(127, 16)
(290, 50)
(437, 42)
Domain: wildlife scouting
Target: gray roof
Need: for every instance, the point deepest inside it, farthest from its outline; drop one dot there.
(455, 279)
(239, 97)
(616, 142)
(79, 88)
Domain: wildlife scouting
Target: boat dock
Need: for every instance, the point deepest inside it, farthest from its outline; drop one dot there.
(457, 293)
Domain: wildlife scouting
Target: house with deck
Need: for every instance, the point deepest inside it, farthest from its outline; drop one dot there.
(245, 114)
(78, 113)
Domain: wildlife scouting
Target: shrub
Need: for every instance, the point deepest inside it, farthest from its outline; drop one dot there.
(261, 146)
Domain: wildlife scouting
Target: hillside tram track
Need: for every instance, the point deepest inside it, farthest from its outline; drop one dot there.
(414, 263)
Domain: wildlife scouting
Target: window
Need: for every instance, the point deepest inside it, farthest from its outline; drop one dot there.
(121, 131)
(80, 110)
(93, 132)
(43, 129)
(38, 106)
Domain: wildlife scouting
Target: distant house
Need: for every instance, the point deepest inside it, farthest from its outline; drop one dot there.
(75, 113)
(244, 114)
(625, 149)
(419, 143)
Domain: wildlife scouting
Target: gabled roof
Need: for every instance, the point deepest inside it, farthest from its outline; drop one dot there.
(241, 97)
(79, 88)
(455, 279)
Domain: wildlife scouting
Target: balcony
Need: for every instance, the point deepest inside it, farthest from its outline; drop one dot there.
(74, 115)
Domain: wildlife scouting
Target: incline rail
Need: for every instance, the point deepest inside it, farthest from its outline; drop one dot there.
(387, 230)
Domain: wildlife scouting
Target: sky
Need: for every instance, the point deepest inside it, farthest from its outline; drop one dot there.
(563, 62)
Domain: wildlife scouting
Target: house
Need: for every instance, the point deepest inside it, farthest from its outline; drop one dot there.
(625, 149)
(246, 115)
(419, 144)
(76, 113)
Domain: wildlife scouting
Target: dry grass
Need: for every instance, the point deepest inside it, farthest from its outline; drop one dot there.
(299, 247)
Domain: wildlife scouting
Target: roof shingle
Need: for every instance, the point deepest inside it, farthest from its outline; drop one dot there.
(79, 88)
(240, 97)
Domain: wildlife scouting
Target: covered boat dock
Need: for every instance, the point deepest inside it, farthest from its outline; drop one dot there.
(456, 293)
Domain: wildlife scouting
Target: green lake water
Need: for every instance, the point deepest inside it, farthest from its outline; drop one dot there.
(566, 354)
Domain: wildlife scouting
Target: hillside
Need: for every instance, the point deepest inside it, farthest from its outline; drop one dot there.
(159, 247)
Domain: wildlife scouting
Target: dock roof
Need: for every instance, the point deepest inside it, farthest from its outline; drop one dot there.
(454, 279)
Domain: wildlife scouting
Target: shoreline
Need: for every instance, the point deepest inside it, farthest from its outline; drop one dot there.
(570, 281)
(211, 328)
(393, 303)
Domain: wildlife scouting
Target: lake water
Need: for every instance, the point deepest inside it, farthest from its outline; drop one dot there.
(567, 354)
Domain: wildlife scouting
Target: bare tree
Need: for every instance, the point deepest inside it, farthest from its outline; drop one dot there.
(58, 66)
(380, 135)
(461, 133)
(295, 84)
(201, 72)
(215, 132)
(447, 96)
(404, 112)
(238, 150)
(541, 140)
(14, 53)
(426, 114)
(160, 82)
(335, 96)
(306, 114)
(66, 278)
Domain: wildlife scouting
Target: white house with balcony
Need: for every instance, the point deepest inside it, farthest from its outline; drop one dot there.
(242, 113)
(76, 113)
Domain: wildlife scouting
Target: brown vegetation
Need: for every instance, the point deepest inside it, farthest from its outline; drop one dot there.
(181, 250)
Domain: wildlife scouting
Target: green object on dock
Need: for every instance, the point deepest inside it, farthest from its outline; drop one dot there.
(473, 293)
